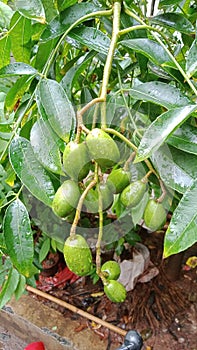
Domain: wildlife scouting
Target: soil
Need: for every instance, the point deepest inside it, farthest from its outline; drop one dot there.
(164, 312)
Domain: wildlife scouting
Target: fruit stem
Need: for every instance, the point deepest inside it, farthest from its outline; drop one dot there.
(100, 234)
(129, 160)
(131, 145)
(164, 192)
(110, 55)
(79, 207)
(147, 176)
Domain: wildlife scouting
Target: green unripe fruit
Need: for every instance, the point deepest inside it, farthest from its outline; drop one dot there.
(154, 215)
(102, 148)
(111, 270)
(133, 193)
(118, 179)
(66, 198)
(92, 199)
(115, 291)
(77, 255)
(76, 160)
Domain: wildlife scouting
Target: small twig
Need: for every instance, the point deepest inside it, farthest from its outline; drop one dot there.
(76, 310)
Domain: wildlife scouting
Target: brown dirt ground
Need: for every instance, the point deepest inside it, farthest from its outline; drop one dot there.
(164, 312)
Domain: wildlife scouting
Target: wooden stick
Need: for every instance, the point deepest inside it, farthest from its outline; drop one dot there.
(76, 310)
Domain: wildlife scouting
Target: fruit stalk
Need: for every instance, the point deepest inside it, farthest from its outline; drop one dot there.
(79, 207)
(110, 55)
(98, 243)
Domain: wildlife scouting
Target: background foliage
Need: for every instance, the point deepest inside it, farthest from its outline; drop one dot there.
(52, 59)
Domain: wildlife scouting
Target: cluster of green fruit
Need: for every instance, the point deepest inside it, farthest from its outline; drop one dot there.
(77, 163)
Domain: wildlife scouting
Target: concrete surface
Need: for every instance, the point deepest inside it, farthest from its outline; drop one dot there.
(28, 320)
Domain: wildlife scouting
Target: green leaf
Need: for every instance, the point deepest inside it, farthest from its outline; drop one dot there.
(69, 16)
(191, 59)
(43, 53)
(9, 286)
(71, 77)
(20, 287)
(44, 249)
(186, 161)
(168, 2)
(174, 20)
(33, 9)
(21, 38)
(17, 91)
(5, 15)
(19, 237)
(92, 38)
(160, 93)
(161, 129)
(30, 171)
(45, 145)
(17, 68)
(182, 233)
(60, 113)
(185, 139)
(50, 8)
(173, 175)
(149, 48)
(5, 48)
(63, 4)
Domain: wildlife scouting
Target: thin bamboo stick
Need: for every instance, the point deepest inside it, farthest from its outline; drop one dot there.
(76, 310)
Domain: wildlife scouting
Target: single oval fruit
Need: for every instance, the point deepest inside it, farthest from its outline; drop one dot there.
(102, 148)
(115, 291)
(92, 199)
(77, 255)
(76, 160)
(111, 270)
(133, 193)
(118, 179)
(66, 198)
(154, 215)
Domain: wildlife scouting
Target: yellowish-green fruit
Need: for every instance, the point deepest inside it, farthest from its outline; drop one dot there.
(118, 179)
(115, 291)
(111, 270)
(102, 148)
(133, 193)
(154, 215)
(91, 201)
(77, 255)
(66, 198)
(76, 160)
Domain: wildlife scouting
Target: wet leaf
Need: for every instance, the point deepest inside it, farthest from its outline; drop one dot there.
(185, 139)
(19, 237)
(69, 16)
(5, 15)
(161, 129)
(181, 233)
(17, 68)
(60, 113)
(20, 36)
(160, 93)
(33, 9)
(149, 48)
(92, 38)
(177, 21)
(45, 145)
(191, 59)
(9, 286)
(173, 175)
(65, 3)
(30, 171)
(5, 48)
